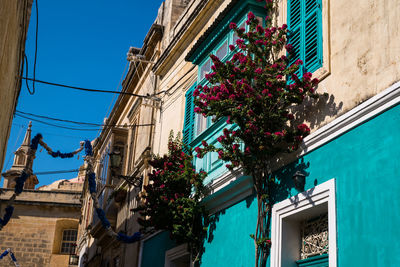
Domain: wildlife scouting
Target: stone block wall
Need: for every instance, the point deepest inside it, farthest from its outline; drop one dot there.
(35, 230)
(12, 41)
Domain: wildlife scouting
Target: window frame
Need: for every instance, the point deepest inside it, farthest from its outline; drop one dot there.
(176, 253)
(325, 70)
(303, 202)
(68, 241)
(229, 38)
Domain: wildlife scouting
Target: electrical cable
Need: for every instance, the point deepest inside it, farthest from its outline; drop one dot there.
(61, 120)
(32, 92)
(80, 129)
(55, 125)
(176, 83)
(14, 147)
(80, 123)
(49, 133)
(36, 46)
(108, 91)
(119, 83)
(56, 172)
(89, 89)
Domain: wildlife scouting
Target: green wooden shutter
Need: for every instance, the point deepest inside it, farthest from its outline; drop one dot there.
(305, 25)
(316, 261)
(189, 117)
(313, 35)
(295, 27)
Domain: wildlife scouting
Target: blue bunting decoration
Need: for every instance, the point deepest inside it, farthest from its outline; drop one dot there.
(129, 239)
(92, 182)
(20, 182)
(5, 253)
(103, 219)
(7, 215)
(88, 148)
(35, 141)
(100, 213)
(61, 155)
(13, 257)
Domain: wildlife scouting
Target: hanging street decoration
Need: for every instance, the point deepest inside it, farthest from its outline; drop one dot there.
(27, 172)
(12, 256)
(99, 211)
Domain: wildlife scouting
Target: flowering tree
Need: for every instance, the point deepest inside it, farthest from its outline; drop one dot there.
(172, 198)
(256, 92)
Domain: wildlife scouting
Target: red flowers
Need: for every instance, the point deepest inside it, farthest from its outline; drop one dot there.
(289, 47)
(251, 15)
(303, 128)
(299, 62)
(232, 26)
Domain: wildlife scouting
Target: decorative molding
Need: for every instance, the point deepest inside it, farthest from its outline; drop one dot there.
(353, 118)
(301, 204)
(176, 253)
(219, 198)
(228, 189)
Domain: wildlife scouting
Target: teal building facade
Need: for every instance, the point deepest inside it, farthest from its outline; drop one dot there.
(347, 214)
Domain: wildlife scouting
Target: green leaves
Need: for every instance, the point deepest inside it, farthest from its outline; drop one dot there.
(172, 198)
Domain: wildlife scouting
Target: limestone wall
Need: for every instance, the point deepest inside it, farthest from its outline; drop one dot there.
(34, 234)
(11, 42)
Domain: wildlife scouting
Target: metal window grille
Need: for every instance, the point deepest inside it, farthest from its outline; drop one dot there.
(314, 237)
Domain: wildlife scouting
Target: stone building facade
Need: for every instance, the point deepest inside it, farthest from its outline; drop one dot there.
(44, 225)
(349, 160)
(14, 20)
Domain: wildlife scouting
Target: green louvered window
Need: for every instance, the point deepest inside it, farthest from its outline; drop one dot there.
(189, 117)
(305, 25)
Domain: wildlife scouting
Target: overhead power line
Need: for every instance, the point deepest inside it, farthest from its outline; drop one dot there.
(92, 90)
(55, 125)
(55, 172)
(62, 120)
(31, 117)
(36, 49)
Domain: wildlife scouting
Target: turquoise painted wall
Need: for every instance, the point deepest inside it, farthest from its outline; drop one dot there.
(365, 162)
(229, 243)
(154, 249)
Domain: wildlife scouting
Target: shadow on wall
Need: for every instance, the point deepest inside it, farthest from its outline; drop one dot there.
(285, 187)
(315, 111)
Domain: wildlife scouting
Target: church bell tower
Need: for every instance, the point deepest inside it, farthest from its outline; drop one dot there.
(20, 159)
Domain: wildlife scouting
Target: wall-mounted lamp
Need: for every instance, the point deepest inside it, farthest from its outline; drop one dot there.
(299, 180)
(115, 165)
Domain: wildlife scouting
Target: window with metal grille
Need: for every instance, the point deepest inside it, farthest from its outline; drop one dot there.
(68, 242)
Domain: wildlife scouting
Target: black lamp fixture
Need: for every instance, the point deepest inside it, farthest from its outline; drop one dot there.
(115, 165)
(115, 159)
(299, 180)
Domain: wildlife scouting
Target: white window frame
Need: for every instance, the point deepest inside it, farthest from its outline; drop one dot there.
(302, 203)
(68, 241)
(176, 253)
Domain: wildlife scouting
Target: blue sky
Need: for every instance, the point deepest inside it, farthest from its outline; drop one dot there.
(81, 43)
